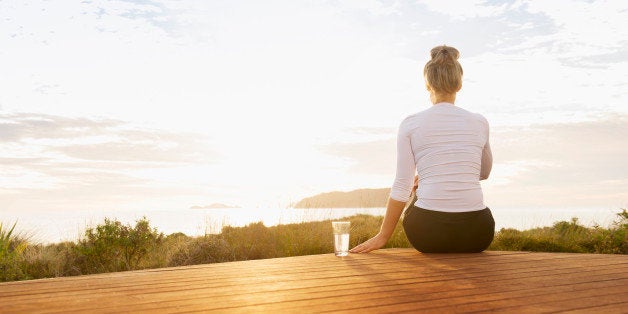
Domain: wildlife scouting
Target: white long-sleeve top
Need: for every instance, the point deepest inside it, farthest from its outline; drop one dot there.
(448, 147)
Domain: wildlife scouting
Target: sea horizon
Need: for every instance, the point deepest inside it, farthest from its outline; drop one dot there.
(42, 226)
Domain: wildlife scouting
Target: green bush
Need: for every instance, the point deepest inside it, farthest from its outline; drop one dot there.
(566, 236)
(615, 239)
(11, 254)
(113, 246)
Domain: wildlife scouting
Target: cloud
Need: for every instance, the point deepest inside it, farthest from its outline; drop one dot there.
(46, 156)
(373, 7)
(18, 126)
(578, 163)
(569, 144)
(556, 29)
(373, 130)
(463, 10)
(20, 161)
(372, 157)
(475, 27)
(46, 89)
(588, 34)
(103, 139)
(138, 152)
(605, 60)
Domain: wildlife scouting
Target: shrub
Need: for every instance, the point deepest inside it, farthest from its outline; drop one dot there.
(113, 246)
(615, 239)
(52, 260)
(202, 250)
(303, 238)
(11, 254)
(255, 241)
(567, 236)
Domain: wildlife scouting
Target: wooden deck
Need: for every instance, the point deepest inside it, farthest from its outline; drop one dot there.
(393, 280)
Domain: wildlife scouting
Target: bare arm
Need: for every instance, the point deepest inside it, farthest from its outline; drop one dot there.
(487, 162)
(393, 212)
(399, 194)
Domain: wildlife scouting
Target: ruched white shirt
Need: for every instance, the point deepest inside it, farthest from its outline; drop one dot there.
(448, 147)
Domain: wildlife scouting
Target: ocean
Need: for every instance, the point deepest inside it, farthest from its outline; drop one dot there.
(56, 226)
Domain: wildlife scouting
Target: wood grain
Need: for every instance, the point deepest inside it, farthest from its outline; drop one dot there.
(392, 280)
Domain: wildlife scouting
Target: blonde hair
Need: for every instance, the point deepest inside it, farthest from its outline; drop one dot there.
(443, 73)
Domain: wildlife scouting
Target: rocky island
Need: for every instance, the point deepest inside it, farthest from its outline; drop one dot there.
(362, 198)
(213, 206)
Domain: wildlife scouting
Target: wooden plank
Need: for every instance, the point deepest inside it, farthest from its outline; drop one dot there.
(212, 299)
(140, 278)
(610, 308)
(276, 264)
(404, 297)
(566, 302)
(193, 274)
(256, 285)
(387, 280)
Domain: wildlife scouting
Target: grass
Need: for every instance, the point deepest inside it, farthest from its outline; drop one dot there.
(12, 248)
(113, 246)
(566, 236)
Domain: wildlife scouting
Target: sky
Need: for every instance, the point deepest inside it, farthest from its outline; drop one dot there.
(140, 105)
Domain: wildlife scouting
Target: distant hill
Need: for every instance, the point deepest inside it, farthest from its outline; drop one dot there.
(213, 206)
(351, 199)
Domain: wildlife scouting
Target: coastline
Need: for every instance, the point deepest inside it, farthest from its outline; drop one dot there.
(68, 226)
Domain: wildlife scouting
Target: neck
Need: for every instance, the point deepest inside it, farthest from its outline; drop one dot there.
(438, 98)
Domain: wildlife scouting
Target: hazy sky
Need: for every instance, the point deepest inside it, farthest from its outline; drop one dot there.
(167, 104)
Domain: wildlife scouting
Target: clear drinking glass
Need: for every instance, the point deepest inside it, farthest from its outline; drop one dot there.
(341, 237)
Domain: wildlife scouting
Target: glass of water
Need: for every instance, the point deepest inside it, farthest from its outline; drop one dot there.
(341, 237)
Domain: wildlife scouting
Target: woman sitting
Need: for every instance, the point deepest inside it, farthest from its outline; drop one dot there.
(448, 147)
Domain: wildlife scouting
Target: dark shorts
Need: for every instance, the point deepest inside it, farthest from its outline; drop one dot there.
(441, 232)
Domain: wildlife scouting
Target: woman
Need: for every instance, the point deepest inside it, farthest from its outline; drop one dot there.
(449, 149)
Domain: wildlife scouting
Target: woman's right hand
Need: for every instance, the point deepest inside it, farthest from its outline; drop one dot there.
(374, 243)
(393, 212)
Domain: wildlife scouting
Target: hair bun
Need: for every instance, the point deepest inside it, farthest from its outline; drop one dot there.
(443, 73)
(444, 53)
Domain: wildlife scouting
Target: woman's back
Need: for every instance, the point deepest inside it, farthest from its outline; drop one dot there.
(446, 144)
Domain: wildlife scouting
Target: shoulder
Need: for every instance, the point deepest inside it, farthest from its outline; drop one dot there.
(412, 121)
(421, 115)
(476, 116)
(482, 123)
(481, 118)
(410, 118)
